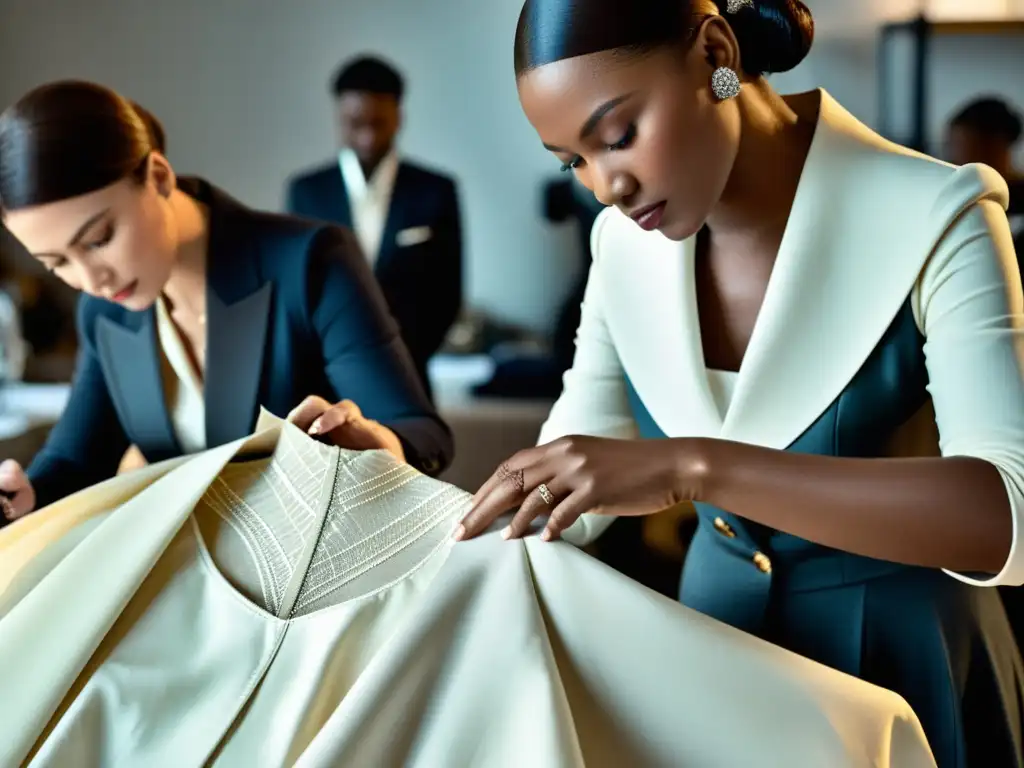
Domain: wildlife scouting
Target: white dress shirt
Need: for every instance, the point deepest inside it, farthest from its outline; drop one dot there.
(369, 199)
(183, 389)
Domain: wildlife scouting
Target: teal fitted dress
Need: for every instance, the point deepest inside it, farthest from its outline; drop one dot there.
(945, 646)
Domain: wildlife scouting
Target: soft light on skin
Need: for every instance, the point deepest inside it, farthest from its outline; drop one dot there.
(130, 237)
(731, 165)
(659, 134)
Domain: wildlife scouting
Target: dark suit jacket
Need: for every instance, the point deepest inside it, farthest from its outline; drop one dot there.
(292, 310)
(422, 283)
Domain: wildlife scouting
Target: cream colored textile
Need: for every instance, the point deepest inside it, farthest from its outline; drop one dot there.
(274, 602)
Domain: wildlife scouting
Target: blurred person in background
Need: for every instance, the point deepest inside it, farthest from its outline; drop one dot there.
(13, 349)
(46, 312)
(988, 130)
(985, 130)
(405, 217)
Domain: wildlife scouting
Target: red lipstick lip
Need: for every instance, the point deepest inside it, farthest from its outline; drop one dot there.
(125, 293)
(650, 217)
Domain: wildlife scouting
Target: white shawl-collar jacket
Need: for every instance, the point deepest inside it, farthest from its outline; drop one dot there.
(872, 224)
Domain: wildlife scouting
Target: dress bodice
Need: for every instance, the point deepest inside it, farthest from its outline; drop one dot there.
(883, 411)
(311, 526)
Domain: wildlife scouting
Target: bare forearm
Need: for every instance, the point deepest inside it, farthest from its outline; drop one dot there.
(949, 513)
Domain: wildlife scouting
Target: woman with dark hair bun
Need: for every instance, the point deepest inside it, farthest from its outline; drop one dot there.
(823, 329)
(196, 311)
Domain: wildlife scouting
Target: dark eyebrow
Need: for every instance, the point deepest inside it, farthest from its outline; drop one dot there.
(594, 120)
(77, 237)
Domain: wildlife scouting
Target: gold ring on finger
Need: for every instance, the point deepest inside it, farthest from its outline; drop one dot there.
(546, 494)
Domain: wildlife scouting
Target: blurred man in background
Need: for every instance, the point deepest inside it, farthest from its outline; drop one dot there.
(987, 131)
(405, 217)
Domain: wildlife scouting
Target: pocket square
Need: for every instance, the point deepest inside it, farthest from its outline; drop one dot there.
(413, 236)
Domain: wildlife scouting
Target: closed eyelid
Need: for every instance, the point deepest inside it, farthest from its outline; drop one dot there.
(600, 113)
(51, 262)
(100, 229)
(106, 230)
(611, 137)
(625, 137)
(98, 236)
(87, 227)
(592, 123)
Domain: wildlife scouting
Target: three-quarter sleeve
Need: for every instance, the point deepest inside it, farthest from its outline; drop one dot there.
(968, 305)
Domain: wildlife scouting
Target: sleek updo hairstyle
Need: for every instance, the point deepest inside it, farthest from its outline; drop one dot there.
(773, 35)
(70, 138)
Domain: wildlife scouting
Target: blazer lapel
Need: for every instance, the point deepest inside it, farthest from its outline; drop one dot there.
(848, 261)
(130, 359)
(238, 305)
(650, 296)
(336, 201)
(234, 364)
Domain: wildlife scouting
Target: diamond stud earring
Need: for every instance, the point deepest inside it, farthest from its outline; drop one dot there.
(725, 83)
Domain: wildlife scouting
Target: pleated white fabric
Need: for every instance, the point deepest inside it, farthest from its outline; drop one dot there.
(276, 602)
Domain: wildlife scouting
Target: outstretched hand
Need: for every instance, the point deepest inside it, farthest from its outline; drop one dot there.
(343, 424)
(573, 475)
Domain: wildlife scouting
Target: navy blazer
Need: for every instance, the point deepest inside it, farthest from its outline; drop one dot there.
(292, 310)
(422, 282)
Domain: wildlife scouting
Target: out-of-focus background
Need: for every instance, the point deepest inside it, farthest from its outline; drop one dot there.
(242, 90)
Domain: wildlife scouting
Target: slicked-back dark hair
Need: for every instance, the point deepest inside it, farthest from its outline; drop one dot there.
(774, 35)
(369, 74)
(69, 138)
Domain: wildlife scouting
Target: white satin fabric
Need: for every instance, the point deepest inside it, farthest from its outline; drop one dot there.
(311, 610)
